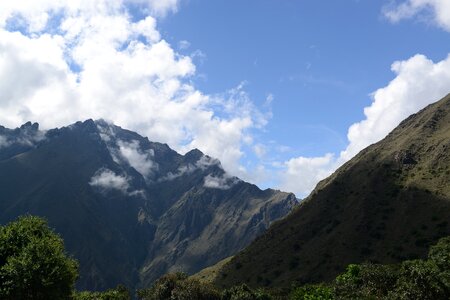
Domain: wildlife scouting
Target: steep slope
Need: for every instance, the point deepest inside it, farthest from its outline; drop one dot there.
(124, 204)
(387, 204)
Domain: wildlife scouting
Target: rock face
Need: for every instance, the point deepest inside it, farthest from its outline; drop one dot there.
(129, 209)
(388, 204)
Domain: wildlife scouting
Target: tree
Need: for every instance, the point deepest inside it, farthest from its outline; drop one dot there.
(419, 279)
(243, 292)
(177, 286)
(310, 292)
(119, 293)
(33, 262)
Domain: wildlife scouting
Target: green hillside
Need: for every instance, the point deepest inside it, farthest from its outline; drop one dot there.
(386, 205)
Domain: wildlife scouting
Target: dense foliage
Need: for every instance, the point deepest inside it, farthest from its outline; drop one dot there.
(178, 286)
(412, 279)
(33, 263)
(119, 293)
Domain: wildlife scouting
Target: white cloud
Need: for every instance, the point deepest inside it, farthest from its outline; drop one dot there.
(27, 136)
(159, 7)
(181, 171)
(438, 11)
(4, 142)
(203, 163)
(223, 182)
(184, 45)
(107, 180)
(303, 173)
(93, 60)
(418, 82)
(206, 161)
(141, 161)
(260, 150)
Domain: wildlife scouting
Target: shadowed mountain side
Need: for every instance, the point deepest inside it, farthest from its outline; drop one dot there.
(98, 229)
(388, 204)
(192, 235)
(123, 203)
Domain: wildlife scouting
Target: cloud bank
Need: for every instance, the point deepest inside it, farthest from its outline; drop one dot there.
(108, 180)
(68, 60)
(64, 61)
(434, 11)
(141, 161)
(223, 182)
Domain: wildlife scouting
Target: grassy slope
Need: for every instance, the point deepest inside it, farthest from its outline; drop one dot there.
(210, 274)
(387, 204)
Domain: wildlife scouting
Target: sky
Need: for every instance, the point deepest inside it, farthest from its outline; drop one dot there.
(282, 92)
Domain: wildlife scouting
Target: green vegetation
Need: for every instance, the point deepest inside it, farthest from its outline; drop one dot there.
(388, 204)
(312, 292)
(243, 292)
(412, 279)
(178, 286)
(33, 264)
(119, 293)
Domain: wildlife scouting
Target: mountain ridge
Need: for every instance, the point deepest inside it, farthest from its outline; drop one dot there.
(117, 199)
(387, 204)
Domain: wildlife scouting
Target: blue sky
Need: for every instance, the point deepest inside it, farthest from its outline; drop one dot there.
(319, 59)
(282, 92)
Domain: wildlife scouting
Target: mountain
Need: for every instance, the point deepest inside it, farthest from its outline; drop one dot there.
(130, 209)
(387, 204)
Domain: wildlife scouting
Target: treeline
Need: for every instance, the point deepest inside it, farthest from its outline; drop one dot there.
(411, 279)
(34, 265)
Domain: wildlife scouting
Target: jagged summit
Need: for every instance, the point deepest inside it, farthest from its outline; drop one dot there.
(130, 209)
(30, 126)
(194, 155)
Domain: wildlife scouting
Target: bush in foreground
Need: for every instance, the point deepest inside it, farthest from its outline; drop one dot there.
(177, 286)
(312, 292)
(33, 263)
(119, 293)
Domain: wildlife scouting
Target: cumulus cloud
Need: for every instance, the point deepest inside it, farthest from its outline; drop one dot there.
(223, 182)
(4, 142)
(108, 180)
(260, 150)
(65, 61)
(28, 135)
(203, 163)
(438, 11)
(160, 7)
(141, 161)
(303, 173)
(418, 82)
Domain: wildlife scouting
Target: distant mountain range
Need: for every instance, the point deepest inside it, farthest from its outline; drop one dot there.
(129, 209)
(388, 204)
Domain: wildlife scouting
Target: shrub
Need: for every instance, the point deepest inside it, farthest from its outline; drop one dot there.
(366, 281)
(419, 279)
(119, 293)
(33, 263)
(440, 255)
(243, 292)
(312, 292)
(177, 286)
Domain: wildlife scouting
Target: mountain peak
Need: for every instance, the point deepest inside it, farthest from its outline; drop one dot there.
(30, 126)
(104, 187)
(193, 155)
